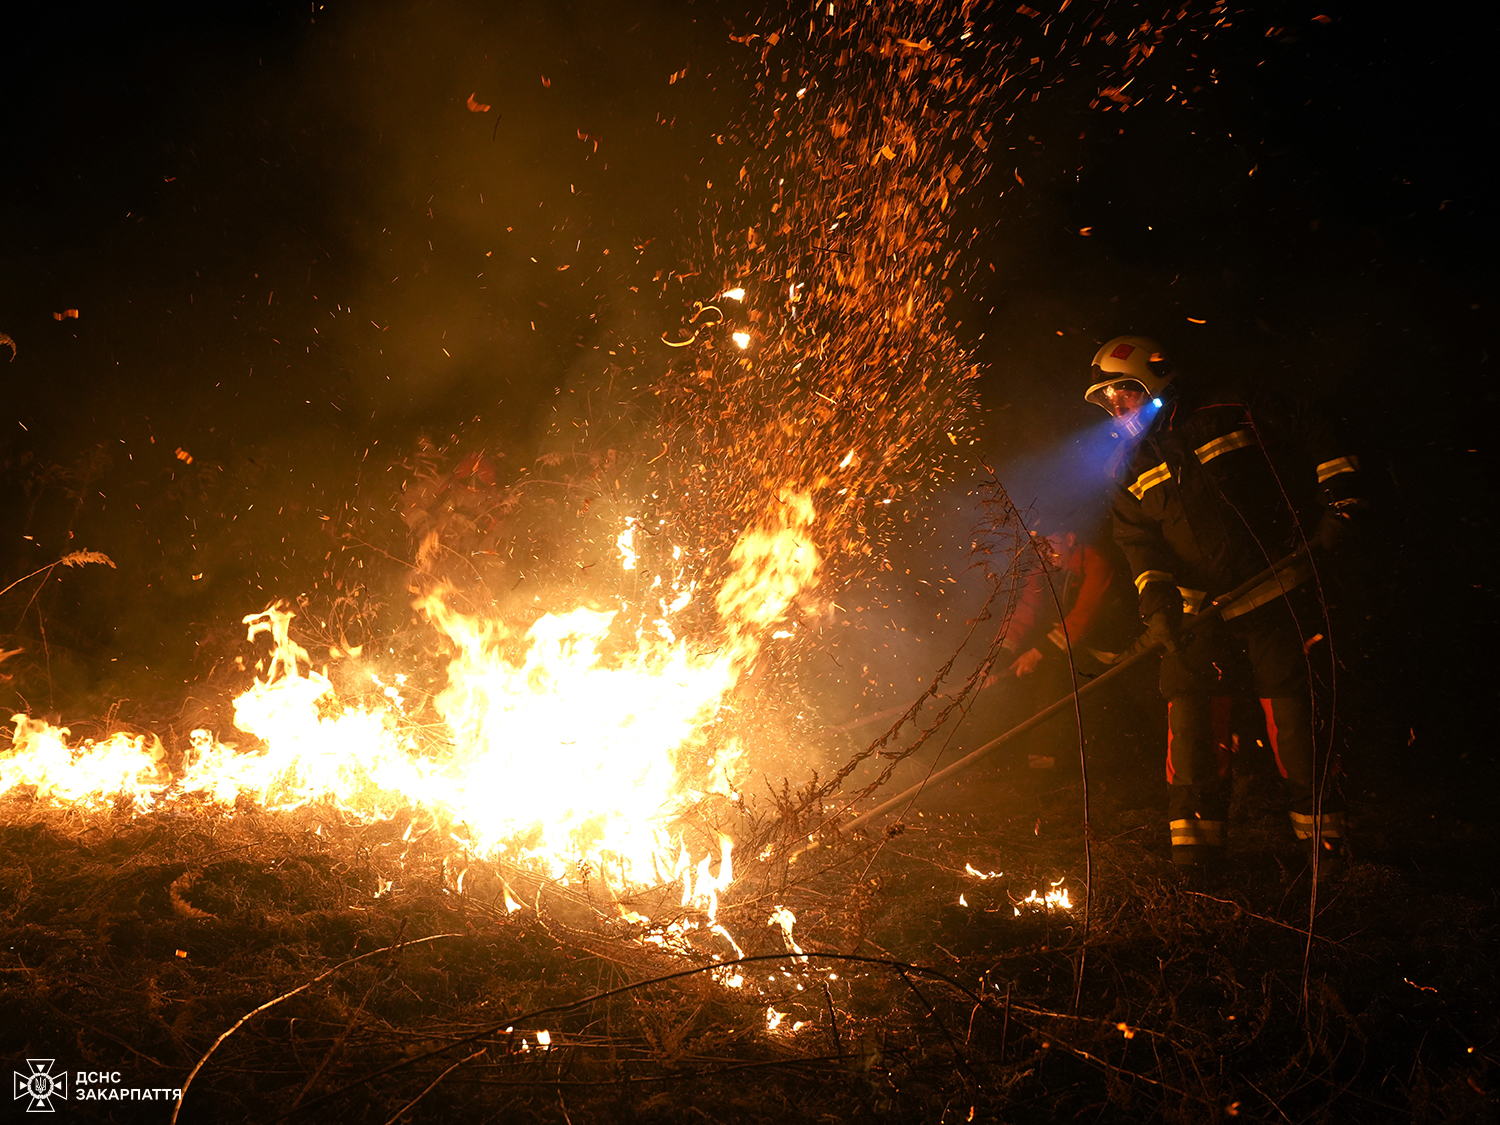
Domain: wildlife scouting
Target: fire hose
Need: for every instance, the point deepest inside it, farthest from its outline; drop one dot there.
(1279, 572)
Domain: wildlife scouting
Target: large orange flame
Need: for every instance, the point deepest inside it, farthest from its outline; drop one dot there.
(565, 746)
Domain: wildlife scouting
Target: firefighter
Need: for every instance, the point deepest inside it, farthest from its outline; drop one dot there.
(1062, 570)
(1213, 490)
(1084, 584)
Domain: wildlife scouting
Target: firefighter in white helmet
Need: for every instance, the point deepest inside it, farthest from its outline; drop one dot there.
(1213, 489)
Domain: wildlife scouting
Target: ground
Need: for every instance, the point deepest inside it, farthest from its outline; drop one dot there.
(134, 944)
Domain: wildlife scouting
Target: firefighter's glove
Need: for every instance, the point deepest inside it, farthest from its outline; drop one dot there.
(1026, 663)
(1161, 628)
(1161, 610)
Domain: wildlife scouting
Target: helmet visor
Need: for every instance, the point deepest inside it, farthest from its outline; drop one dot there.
(1118, 396)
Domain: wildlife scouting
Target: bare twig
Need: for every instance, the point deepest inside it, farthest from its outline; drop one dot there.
(397, 1115)
(1263, 918)
(833, 1021)
(1270, 1101)
(338, 1043)
(584, 1001)
(188, 1081)
(1095, 1060)
(963, 1060)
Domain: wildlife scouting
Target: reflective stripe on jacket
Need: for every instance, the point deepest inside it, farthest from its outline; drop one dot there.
(1214, 493)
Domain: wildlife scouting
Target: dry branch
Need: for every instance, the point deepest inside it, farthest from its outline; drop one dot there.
(239, 1023)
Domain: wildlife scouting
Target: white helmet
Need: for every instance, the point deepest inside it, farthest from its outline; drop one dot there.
(1129, 359)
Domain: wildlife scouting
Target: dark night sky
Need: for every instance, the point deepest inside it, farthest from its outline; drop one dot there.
(293, 249)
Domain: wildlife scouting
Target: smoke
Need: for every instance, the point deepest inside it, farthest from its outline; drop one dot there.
(294, 247)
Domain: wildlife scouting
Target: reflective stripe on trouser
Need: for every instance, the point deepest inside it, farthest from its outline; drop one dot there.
(1290, 727)
(1196, 831)
(1305, 826)
(1199, 761)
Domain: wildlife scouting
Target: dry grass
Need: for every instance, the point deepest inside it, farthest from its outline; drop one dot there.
(133, 943)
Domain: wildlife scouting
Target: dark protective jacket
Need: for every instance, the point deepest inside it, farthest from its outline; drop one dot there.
(1220, 488)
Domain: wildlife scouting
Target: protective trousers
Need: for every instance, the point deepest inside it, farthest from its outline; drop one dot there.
(1198, 681)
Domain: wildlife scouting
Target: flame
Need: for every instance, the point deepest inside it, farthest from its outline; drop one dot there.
(1056, 898)
(92, 775)
(564, 746)
(511, 905)
(785, 919)
(774, 563)
(577, 755)
(315, 749)
(626, 545)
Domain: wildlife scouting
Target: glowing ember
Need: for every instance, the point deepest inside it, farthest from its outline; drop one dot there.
(742, 339)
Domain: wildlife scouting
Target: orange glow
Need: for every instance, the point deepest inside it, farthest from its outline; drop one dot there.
(572, 745)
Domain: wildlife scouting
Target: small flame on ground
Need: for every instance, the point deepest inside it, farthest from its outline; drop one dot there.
(511, 905)
(1056, 898)
(93, 774)
(785, 919)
